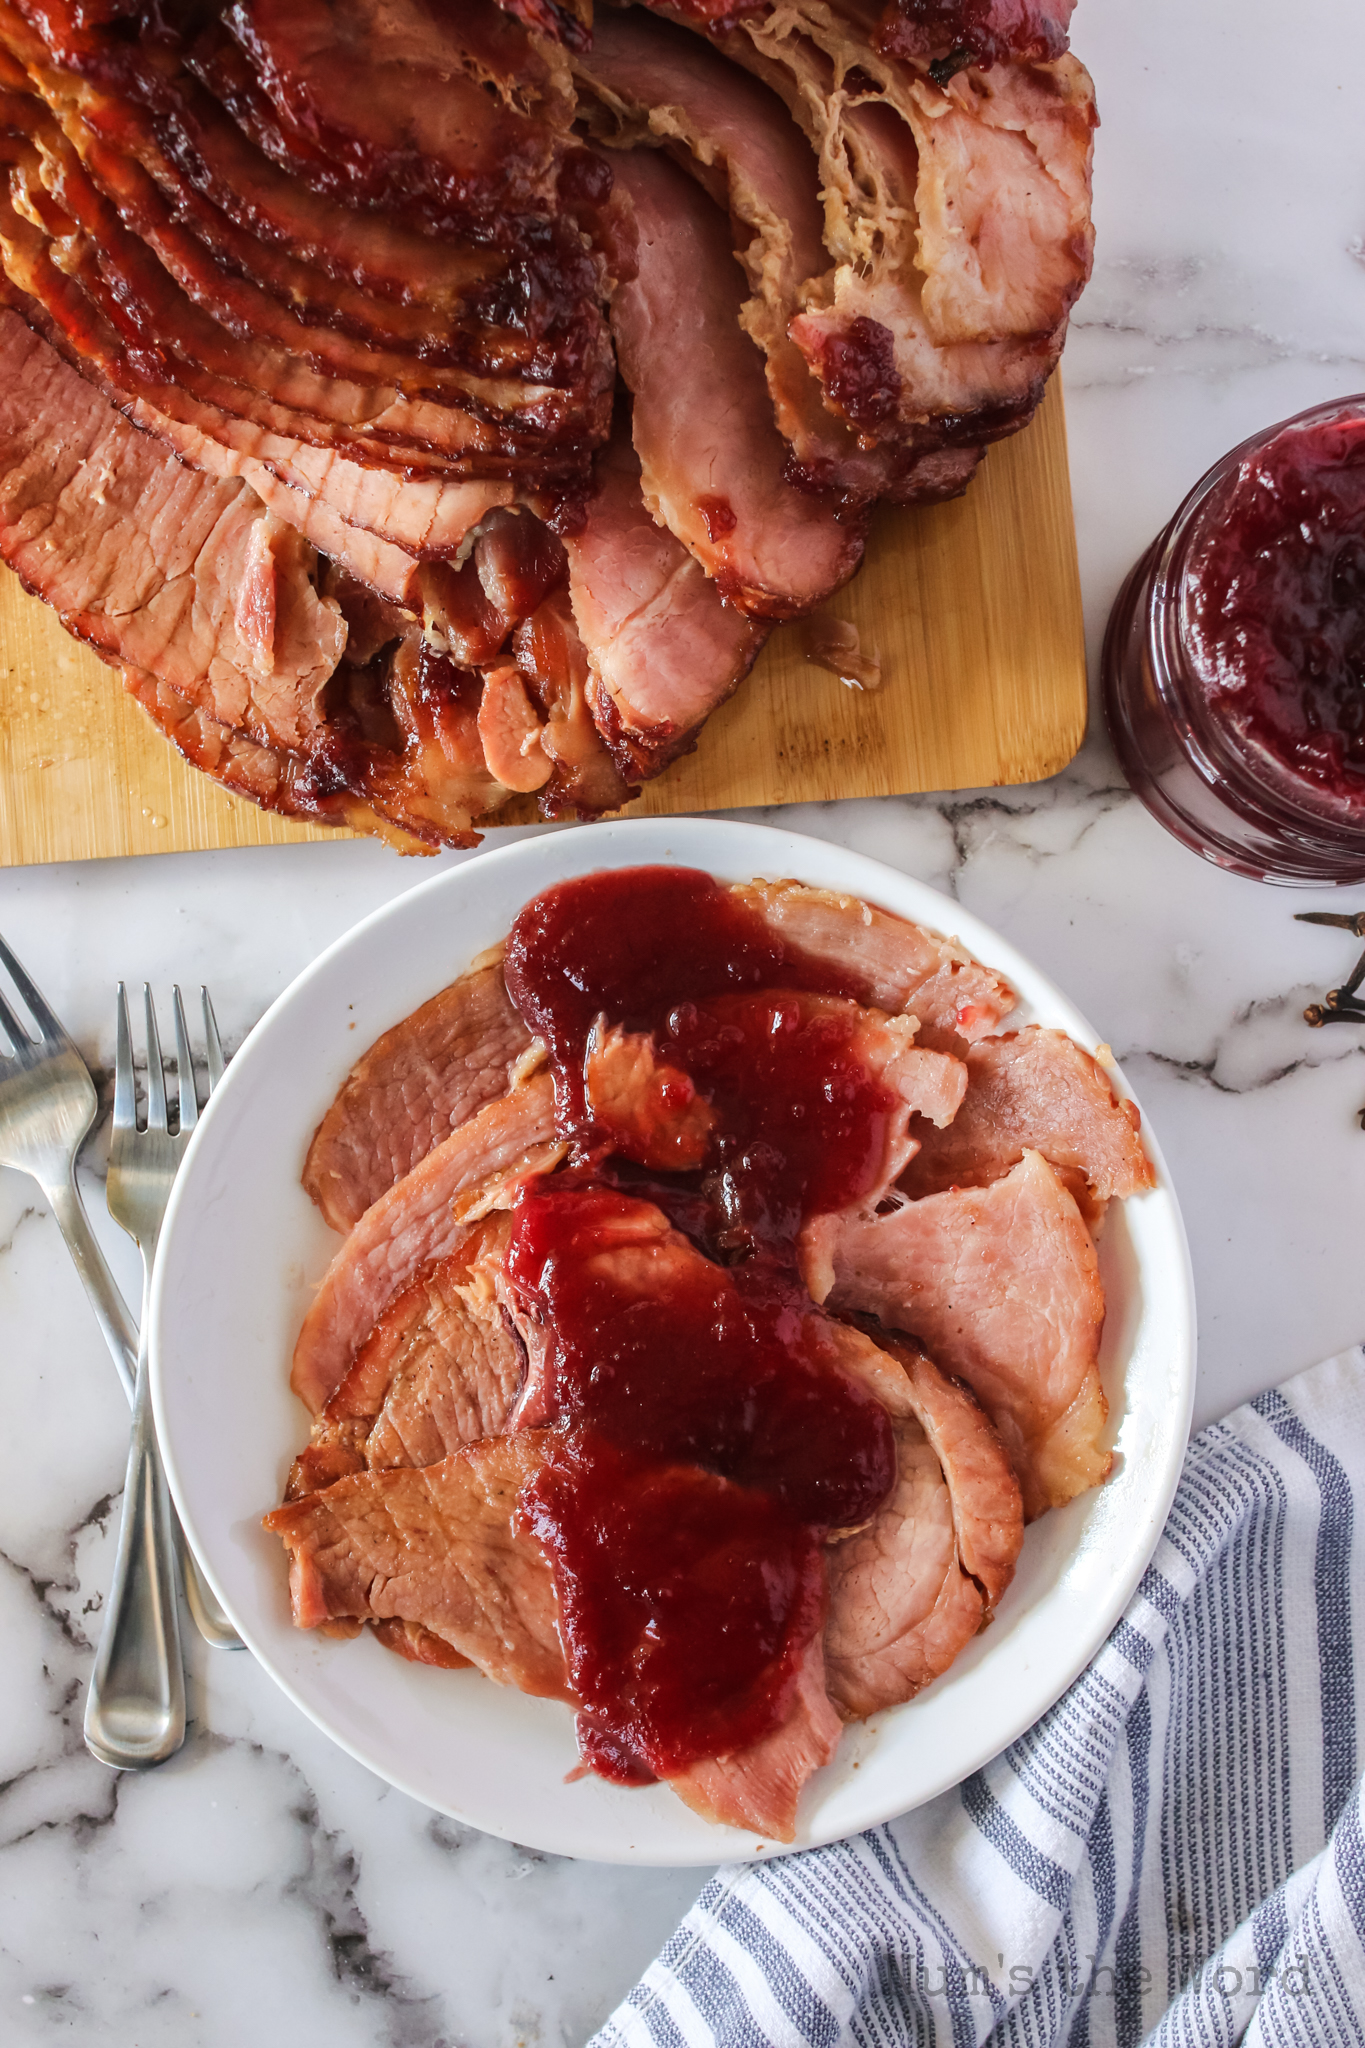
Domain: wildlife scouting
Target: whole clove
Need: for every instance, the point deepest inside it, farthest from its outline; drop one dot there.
(1345, 1013)
(1340, 920)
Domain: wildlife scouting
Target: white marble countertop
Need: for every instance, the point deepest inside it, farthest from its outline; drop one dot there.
(263, 1888)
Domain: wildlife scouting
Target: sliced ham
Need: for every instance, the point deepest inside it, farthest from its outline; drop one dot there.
(410, 1090)
(1035, 1089)
(909, 1591)
(441, 1368)
(150, 562)
(363, 425)
(414, 102)
(414, 1086)
(984, 31)
(415, 1222)
(132, 222)
(652, 82)
(903, 966)
(663, 648)
(759, 1788)
(549, 651)
(438, 1547)
(1001, 1285)
(713, 462)
(875, 327)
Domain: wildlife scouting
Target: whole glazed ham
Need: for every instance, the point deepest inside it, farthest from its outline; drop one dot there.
(956, 1289)
(570, 354)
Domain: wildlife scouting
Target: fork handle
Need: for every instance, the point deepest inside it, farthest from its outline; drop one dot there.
(135, 1709)
(120, 1331)
(120, 1334)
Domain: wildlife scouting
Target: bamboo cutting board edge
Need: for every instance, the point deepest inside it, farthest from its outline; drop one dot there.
(974, 607)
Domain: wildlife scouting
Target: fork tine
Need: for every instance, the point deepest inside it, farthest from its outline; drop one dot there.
(48, 1023)
(156, 1074)
(125, 1089)
(217, 1064)
(14, 1030)
(184, 1065)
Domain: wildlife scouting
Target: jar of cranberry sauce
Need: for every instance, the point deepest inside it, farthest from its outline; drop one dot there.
(1234, 661)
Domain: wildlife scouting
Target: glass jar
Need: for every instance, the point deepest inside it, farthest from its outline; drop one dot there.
(1234, 659)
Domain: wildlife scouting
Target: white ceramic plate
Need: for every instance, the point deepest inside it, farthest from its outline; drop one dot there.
(243, 1248)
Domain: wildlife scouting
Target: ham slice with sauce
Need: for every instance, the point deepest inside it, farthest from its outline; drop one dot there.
(760, 1788)
(1002, 1287)
(654, 1116)
(903, 966)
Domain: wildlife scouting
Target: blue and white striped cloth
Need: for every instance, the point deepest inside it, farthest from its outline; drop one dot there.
(1174, 1855)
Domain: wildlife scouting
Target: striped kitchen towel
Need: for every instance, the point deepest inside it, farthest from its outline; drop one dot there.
(1174, 1855)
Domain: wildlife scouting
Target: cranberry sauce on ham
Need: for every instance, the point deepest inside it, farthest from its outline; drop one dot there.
(758, 1788)
(713, 461)
(1001, 1284)
(413, 1087)
(753, 1078)
(708, 1445)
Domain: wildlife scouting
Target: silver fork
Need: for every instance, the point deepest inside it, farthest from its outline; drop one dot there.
(135, 1708)
(47, 1107)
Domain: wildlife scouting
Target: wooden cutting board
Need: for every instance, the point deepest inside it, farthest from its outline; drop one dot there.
(974, 609)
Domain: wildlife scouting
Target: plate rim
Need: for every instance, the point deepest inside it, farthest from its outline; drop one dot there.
(799, 852)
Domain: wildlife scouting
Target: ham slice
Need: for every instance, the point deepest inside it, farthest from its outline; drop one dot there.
(759, 1788)
(147, 560)
(438, 1547)
(457, 109)
(1035, 1089)
(874, 327)
(267, 776)
(908, 1592)
(712, 459)
(441, 1368)
(982, 31)
(663, 648)
(903, 966)
(424, 1216)
(414, 1086)
(441, 1552)
(652, 82)
(1001, 1285)
(652, 1113)
(553, 663)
